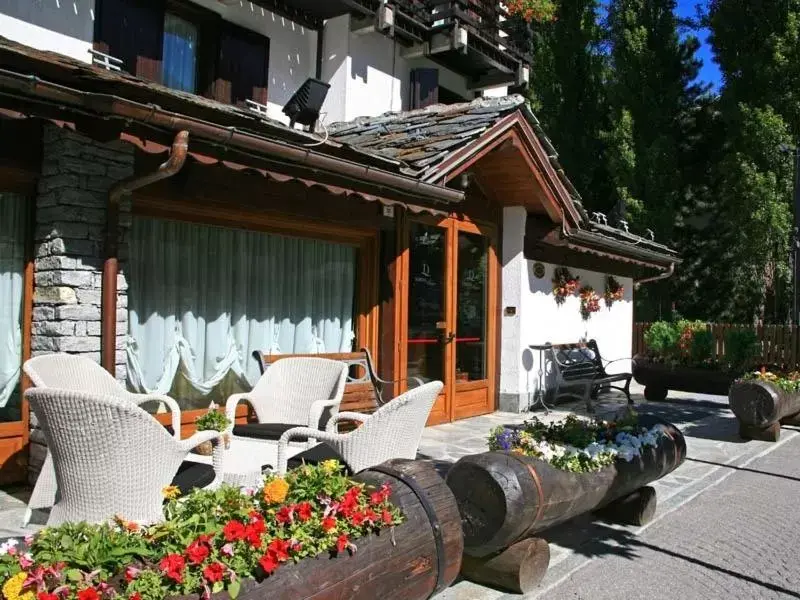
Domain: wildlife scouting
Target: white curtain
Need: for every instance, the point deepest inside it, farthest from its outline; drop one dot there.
(202, 299)
(12, 267)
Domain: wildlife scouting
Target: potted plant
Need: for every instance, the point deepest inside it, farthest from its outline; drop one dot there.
(764, 400)
(681, 356)
(213, 420)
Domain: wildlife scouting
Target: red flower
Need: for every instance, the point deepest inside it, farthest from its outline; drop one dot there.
(172, 565)
(370, 515)
(135, 596)
(279, 549)
(233, 531)
(268, 563)
(284, 515)
(88, 594)
(342, 543)
(387, 517)
(253, 532)
(197, 552)
(328, 523)
(214, 572)
(46, 596)
(304, 510)
(357, 519)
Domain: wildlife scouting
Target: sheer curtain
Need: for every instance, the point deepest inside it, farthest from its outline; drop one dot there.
(12, 267)
(202, 298)
(180, 54)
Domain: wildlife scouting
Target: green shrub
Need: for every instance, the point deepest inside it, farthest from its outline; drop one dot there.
(741, 349)
(213, 420)
(701, 349)
(661, 338)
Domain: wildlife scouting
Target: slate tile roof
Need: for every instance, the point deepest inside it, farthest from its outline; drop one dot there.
(421, 139)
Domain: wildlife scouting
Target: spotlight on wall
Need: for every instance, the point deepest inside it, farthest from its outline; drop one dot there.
(304, 106)
(465, 180)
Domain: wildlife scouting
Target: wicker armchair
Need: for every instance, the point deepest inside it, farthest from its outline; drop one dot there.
(110, 456)
(393, 431)
(292, 392)
(78, 373)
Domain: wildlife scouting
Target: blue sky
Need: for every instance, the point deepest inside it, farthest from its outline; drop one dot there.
(710, 71)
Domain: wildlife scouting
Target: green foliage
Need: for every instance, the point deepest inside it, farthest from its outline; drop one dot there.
(213, 420)
(788, 382)
(741, 349)
(661, 338)
(702, 347)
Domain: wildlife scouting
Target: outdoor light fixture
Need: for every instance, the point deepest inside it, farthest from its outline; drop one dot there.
(304, 106)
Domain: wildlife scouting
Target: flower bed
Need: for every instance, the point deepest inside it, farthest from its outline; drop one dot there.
(763, 400)
(211, 540)
(575, 444)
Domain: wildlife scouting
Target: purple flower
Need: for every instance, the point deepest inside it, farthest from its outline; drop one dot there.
(506, 439)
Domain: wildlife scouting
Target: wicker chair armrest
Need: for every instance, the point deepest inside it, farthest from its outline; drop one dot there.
(345, 416)
(140, 399)
(198, 438)
(307, 432)
(231, 403)
(317, 407)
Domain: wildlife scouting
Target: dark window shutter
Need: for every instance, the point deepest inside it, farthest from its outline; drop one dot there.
(132, 31)
(242, 66)
(424, 87)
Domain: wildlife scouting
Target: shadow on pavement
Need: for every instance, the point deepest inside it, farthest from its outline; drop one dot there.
(609, 541)
(744, 469)
(697, 419)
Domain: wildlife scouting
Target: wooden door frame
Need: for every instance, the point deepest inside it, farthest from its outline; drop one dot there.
(452, 225)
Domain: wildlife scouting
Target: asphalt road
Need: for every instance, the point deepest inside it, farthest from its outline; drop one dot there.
(739, 540)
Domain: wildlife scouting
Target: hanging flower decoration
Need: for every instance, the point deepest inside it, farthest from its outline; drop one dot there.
(590, 302)
(564, 284)
(614, 291)
(540, 11)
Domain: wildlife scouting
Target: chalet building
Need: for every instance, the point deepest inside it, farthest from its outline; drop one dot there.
(185, 182)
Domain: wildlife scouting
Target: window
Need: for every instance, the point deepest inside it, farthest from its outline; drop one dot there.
(203, 298)
(179, 67)
(12, 276)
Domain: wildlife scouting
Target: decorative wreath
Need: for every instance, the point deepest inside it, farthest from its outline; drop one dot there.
(614, 291)
(564, 284)
(590, 302)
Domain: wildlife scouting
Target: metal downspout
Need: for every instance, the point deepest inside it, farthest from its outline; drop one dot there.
(665, 275)
(172, 165)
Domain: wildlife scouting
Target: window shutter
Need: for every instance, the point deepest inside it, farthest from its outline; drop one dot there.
(242, 66)
(424, 87)
(132, 31)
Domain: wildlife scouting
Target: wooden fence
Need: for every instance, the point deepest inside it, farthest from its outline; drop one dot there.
(780, 344)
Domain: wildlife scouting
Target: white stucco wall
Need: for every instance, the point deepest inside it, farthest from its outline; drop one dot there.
(539, 319)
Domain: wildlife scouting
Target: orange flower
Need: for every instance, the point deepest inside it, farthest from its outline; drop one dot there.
(275, 491)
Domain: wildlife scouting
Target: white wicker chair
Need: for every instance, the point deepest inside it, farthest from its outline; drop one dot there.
(393, 431)
(72, 372)
(292, 392)
(110, 456)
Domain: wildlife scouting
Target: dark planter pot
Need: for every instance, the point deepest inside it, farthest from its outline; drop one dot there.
(761, 408)
(658, 379)
(506, 498)
(419, 559)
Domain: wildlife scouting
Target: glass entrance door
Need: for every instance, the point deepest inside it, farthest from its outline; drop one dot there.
(450, 315)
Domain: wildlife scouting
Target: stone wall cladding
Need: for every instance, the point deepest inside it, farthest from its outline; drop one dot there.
(77, 174)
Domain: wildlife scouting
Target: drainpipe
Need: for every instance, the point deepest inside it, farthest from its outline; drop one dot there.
(172, 165)
(665, 275)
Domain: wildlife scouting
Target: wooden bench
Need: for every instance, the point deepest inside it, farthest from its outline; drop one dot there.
(364, 391)
(580, 364)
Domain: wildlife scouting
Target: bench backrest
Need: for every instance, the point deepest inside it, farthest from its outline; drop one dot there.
(577, 361)
(359, 391)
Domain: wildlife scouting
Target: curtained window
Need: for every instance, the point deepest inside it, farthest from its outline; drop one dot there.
(180, 54)
(203, 298)
(12, 273)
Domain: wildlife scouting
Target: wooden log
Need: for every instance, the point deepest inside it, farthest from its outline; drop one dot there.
(657, 376)
(637, 508)
(761, 407)
(518, 569)
(420, 558)
(505, 497)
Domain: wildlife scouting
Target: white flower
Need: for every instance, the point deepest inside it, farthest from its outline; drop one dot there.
(8, 546)
(626, 453)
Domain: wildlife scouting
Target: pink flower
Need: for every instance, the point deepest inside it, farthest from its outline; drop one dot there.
(25, 561)
(131, 573)
(226, 550)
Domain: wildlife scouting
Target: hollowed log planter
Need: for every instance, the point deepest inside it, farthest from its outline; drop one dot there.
(419, 559)
(761, 408)
(506, 498)
(658, 379)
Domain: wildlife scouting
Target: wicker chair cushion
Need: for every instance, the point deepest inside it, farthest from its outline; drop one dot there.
(193, 475)
(315, 455)
(264, 431)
